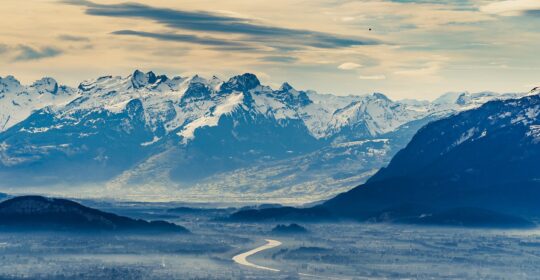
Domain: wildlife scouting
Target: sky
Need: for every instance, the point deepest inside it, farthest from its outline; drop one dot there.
(402, 48)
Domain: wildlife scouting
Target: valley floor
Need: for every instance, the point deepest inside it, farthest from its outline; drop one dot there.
(329, 251)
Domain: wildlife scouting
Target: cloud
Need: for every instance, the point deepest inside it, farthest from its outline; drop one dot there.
(395, 16)
(428, 69)
(280, 59)
(372, 77)
(347, 19)
(512, 7)
(28, 53)
(439, 2)
(201, 21)
(187, 38)
(3, 48)
(349, 66)
(74, 38)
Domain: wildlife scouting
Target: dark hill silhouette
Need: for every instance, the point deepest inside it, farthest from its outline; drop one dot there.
(41, 213)
(289, 229)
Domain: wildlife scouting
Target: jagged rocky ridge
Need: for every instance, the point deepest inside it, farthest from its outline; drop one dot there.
(149, 134)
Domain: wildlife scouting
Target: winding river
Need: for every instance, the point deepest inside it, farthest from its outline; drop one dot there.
(242, 258)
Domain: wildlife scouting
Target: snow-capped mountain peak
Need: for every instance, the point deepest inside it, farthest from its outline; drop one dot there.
(46, 85)
(244, 82)
(9, 84)
(379, 95)
(197, 87)
(17, 102)
(448, 98)
(174, 103)
(370, 116)
(285, 87)
(140, 79)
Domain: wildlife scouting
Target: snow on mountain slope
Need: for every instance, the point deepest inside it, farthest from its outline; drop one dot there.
(180, 105)
(174, 103)
(375, 113)
(318, 114)
(17, 102)
(455, 101)
(486, 158)
(185, 135)
(212, 119)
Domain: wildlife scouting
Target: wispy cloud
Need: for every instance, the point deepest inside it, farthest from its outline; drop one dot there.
(440, 2)
(372, 77)
(3, 48)
(427, 69)
(74, 38)
(201, 21)
(30, 53)
(349, 66)
(279, 59)
(512, 7)
(187, 38)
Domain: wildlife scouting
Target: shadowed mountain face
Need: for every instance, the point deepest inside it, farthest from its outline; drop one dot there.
(476, 168)
(90, 146)
(41, 213)
(486, 158)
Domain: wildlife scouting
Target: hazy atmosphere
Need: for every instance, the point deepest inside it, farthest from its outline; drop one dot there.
(285, 139)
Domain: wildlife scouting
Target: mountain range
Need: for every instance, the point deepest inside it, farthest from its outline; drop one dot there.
(151, 137)
(486, 157)
(475, 168)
